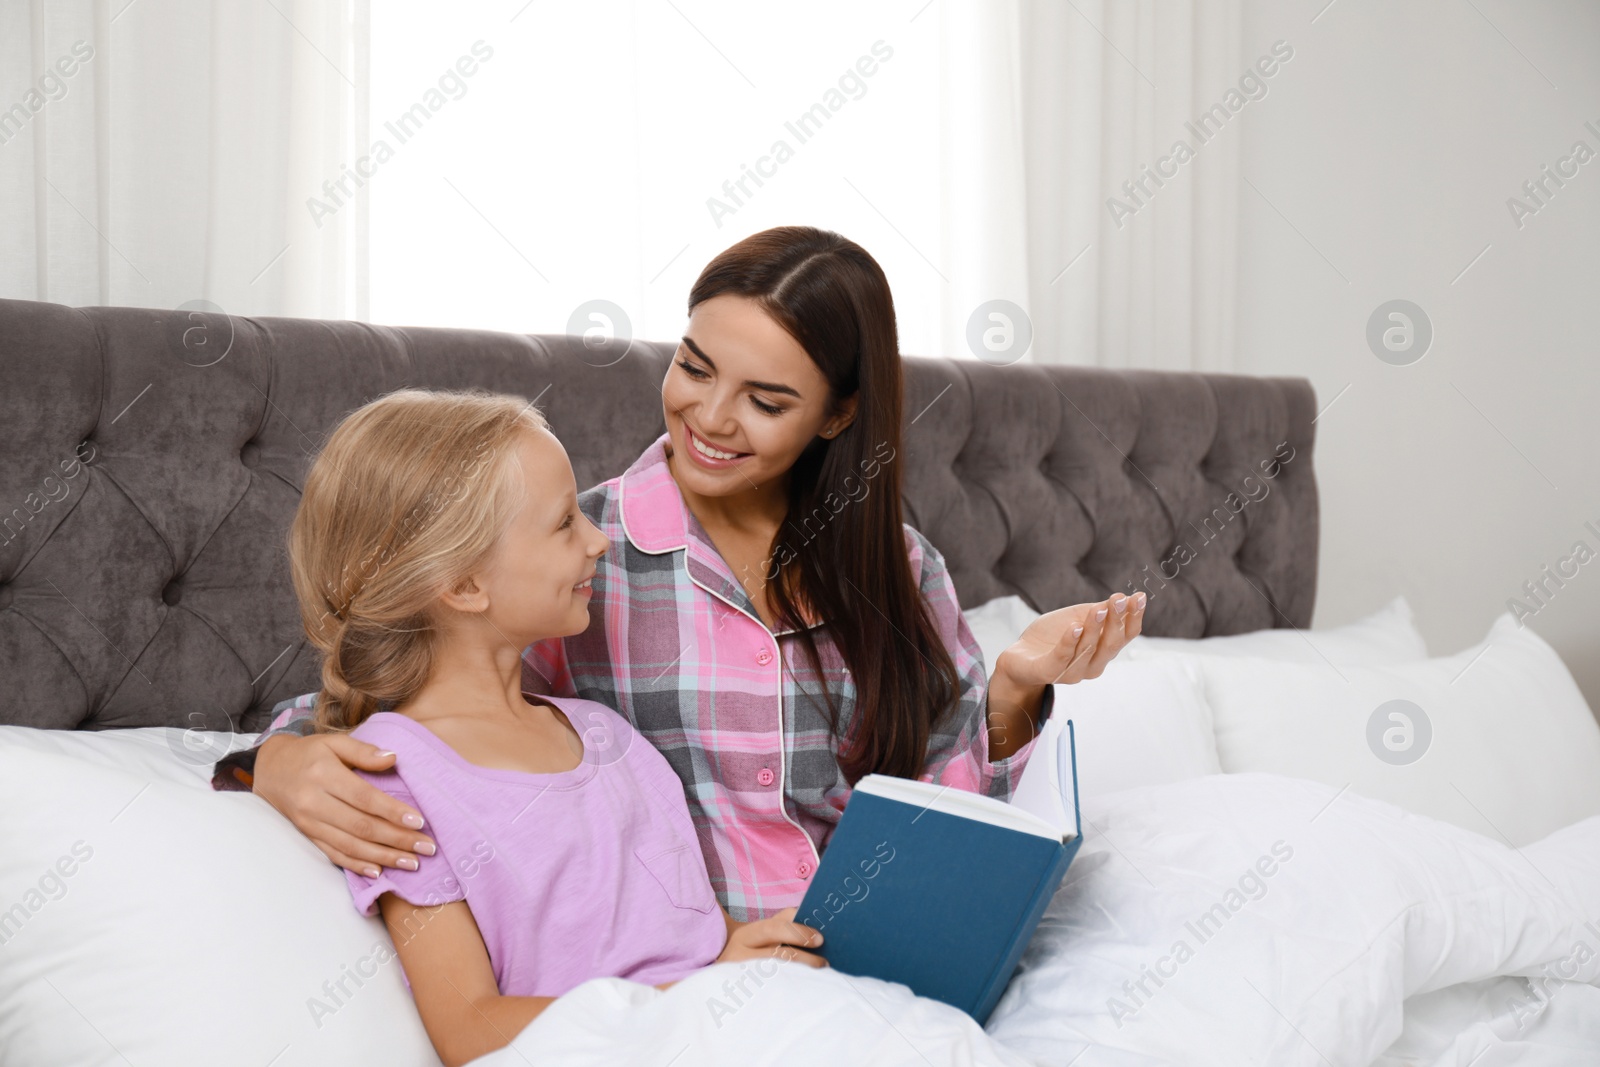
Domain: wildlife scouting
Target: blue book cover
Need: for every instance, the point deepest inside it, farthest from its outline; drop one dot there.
(941, 889)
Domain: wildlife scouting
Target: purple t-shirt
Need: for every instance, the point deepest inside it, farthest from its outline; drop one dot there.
(589, 873)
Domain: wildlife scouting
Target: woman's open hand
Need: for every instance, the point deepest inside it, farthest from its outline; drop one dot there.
(356, 825)
(1066, 645)
(777, 935)
(1073, 643)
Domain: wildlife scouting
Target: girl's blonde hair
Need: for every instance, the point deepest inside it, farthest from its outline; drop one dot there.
(408, 495)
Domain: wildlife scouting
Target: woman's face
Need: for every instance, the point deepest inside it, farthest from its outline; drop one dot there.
(742, 400)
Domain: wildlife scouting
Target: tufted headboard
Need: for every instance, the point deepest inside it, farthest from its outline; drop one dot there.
(150, 464)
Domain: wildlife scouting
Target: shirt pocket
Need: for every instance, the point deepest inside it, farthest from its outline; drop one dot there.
(681, 872)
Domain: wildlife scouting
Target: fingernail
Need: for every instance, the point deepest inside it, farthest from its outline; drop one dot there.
(1120, 605)
(408, 862)
(385, 752)
(425, 847)
(370, 872)
(1100, 615)
(1138, 602)
(1077, 630)
(412, 820)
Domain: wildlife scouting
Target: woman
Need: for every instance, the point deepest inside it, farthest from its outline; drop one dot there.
(763, 617)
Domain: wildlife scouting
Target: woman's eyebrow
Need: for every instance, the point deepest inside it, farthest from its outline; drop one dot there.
(765, 387)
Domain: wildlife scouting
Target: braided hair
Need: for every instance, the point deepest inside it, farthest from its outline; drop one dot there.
(408, 496)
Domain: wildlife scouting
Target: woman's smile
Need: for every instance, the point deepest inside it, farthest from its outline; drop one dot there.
(707, 454)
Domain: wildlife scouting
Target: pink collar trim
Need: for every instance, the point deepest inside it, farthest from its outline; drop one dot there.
(656, 520)
(649, 504)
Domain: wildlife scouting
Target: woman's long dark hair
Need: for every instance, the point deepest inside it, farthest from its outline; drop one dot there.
(841, 554)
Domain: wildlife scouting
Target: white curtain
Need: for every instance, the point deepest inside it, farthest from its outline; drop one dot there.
(158, 152)
(1050, 106)
(206, 151)
(974, 162)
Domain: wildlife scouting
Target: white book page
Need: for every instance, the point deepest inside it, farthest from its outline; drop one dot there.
(957, 802)
(1046, 787)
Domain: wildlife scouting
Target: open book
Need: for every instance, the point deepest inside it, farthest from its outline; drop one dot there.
(941, 889)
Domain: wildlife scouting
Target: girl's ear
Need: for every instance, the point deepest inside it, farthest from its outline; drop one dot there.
(844, 413)
(467, 596)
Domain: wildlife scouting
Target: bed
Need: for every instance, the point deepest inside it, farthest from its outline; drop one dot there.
(1434, 886)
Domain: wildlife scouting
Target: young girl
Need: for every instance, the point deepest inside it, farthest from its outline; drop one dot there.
(438, 536)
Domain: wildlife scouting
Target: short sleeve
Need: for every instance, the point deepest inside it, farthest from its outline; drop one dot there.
(431, 884)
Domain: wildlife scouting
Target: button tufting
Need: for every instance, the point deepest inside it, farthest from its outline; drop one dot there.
(172, 593)
(250, 454)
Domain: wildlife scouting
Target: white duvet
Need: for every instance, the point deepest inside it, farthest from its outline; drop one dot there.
(1224, 920)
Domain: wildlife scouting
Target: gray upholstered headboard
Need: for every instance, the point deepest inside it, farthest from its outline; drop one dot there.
(150, 463)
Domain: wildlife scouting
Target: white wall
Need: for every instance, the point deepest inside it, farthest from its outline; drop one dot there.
(1391, 144)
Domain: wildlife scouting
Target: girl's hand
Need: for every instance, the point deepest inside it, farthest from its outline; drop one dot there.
(773, 936)
(356, 825)
(1071, 644)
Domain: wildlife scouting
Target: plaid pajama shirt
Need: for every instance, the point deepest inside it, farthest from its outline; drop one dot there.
(677, 647)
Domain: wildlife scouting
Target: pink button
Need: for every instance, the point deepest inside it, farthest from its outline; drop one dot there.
(763, 657)
(803, 870)
(764, 776)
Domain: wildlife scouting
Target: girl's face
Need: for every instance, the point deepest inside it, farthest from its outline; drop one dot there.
(537, 578)
(742, 400)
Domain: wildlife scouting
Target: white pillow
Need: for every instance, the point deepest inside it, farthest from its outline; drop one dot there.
(145, 918)
(1388, 635)
(1137, 724)
(998, 624)
(1503, 743)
